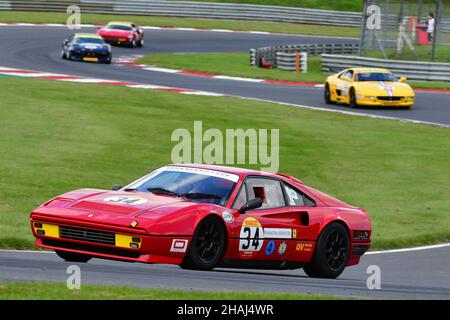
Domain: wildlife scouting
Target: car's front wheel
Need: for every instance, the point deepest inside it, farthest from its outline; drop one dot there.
(353, 102)
(331, 254)
(207, 246)
(327, 94)
(63, 54)
(73, 257)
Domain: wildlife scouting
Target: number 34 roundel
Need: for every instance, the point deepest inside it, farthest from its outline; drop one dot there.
(251, 238)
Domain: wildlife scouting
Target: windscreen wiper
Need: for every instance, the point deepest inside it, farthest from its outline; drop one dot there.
(199, 195)
(162, 191)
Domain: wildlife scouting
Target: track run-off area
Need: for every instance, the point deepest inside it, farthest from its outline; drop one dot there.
(409, 274)
(38, 48)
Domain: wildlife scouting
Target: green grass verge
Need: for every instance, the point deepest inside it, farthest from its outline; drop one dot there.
(59, 291)
(423, 53)
(237, 64)
(289, 28)
(341, 5)
(61, 136)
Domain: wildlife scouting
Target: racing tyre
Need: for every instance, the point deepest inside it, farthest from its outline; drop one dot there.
(353, 102)
(140, 43)
(327, 94)
(133, 43)
(73, 257)
(207, 246)
(63, 54)
(331, 254)
(109, 60)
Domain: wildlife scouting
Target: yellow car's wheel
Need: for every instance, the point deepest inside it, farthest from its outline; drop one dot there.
(327, 94)
(353, 103)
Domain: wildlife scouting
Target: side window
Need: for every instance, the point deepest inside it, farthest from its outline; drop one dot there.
(296, 198)
(268, 190)
(241, 198)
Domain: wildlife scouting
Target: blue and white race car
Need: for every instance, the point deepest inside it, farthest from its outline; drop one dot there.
(86, 47)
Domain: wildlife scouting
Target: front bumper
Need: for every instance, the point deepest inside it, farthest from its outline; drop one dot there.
(118, 40)
(107, 243)
(91, 56)
(386, 103)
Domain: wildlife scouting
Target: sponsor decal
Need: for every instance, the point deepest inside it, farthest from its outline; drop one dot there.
(270, 248)
(126, 200)
(228, 216)
(277, 233)
(306, 247)
(251, 238)
(282, 248)
(206, 172)
(134, 223)
(294, 233)
(179, 245)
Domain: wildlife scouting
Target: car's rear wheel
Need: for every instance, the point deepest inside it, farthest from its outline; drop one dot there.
(133, 43)
(331, 254)
(140, 43)
(327, 94)
(63, 54)
(73, 257)
(207, 246)
(353, 103)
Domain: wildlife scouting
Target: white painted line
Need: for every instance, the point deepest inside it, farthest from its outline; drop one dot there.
(436, 246)
(431, 247)
(204, 93)
(238, 79)
(24, 251)
(162, 70)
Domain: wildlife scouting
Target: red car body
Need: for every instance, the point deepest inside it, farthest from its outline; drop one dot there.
(162, 227)
(122, 33)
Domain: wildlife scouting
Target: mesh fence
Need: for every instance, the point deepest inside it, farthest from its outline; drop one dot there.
(406, 30)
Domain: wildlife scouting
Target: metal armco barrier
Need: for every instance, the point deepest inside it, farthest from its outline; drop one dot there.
(292, 61)
(207, 10)
(270, 53)
(410, 69)
(192, 9)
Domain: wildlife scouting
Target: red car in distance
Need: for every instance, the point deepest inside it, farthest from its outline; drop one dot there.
(204, 216)
(122, 33)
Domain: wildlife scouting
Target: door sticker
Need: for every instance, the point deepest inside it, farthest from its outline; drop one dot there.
(251, 237)
(270, 248)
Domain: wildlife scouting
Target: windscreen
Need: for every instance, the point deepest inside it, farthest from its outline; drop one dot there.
(194, 184)
(375, 76)
(89, 40)
(119, 27)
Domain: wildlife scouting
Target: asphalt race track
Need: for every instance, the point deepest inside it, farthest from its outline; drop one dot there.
(412, 274)
(38, 48)
(421, 274)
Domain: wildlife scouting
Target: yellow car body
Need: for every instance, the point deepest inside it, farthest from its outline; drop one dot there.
(368, 87)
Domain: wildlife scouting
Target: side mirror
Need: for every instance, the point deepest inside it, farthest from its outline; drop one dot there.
(116, 187)
(403, 79)
(250, 205)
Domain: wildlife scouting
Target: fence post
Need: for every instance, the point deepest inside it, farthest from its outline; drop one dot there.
(297, 62)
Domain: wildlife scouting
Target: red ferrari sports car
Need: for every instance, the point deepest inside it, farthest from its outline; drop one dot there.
(205, 216)
(124, 33)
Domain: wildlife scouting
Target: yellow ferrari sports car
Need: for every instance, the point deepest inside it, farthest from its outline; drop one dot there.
(368, 87)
